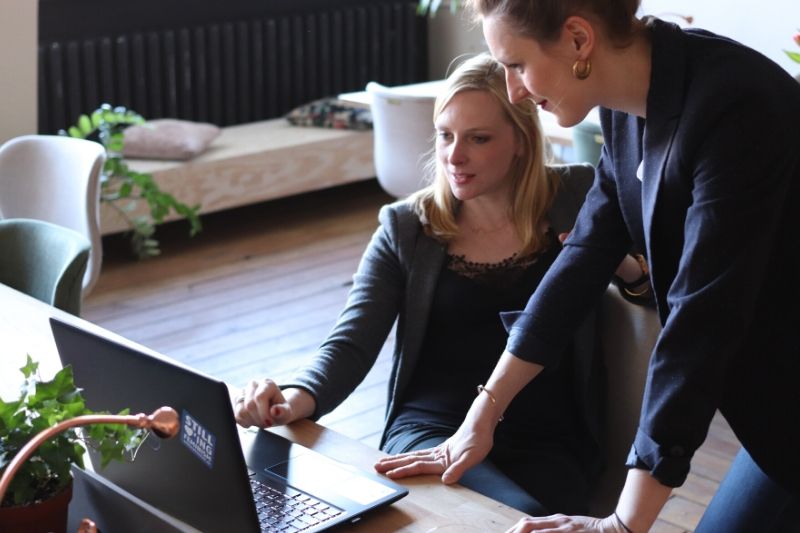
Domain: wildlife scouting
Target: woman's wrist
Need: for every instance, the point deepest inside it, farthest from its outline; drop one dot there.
(484, 415)
(632, 278)
(642, 498)
(612, 524)
(620, 525)
(633, 270)
(301, 402)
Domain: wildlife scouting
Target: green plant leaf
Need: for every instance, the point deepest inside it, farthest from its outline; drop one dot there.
(431, 7)
(43, 403)
(85, 125)
(97, 119)
(119, 184)
(116, 142)
(125, 189)
(795, 56)
(30, 368)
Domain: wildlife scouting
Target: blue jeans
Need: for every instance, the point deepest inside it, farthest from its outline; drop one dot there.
(747, 501)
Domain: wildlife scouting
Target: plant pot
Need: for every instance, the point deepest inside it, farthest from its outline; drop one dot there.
(43, 517)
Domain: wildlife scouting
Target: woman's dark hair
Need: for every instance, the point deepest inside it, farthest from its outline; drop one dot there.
(542, 20)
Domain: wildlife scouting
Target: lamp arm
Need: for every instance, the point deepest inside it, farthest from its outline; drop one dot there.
(163, 421)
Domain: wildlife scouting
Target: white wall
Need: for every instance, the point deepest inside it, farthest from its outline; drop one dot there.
(766, 25)
(18, 36)
(451, 35)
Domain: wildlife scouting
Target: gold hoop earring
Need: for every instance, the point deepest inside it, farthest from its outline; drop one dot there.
(581, 69)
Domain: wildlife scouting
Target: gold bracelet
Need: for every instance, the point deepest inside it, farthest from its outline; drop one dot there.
(636, 294)
(643, 279)
(620, 522)
(481, 389)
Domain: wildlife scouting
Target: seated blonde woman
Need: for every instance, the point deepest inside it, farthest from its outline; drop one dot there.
(446, 263)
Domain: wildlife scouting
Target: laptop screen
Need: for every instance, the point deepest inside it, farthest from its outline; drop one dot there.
(199, 476)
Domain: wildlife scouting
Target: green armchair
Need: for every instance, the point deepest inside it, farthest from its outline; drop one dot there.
(44, 260)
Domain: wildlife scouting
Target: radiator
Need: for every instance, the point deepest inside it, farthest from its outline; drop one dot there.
(232, 72)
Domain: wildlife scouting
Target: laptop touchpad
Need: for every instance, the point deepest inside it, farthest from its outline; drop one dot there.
(315, 474)
(307, 466)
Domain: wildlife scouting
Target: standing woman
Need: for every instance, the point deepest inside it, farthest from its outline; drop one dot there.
(701, 168)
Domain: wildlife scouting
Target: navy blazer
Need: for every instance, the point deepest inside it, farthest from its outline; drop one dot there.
(715, 203)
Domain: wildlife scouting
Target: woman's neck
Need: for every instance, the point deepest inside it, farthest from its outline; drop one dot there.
(486, 232)
(482, 215)
(624, 74)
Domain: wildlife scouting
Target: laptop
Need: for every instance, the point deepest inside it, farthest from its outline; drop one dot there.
(207, 476)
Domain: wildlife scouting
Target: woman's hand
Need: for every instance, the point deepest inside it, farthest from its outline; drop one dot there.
(568, 524)
(465, 449)
(468, 446)
(263, 404)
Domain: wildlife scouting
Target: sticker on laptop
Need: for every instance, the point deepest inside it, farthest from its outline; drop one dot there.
(198, 439)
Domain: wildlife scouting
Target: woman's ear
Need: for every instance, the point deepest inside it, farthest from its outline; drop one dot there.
(581, 34)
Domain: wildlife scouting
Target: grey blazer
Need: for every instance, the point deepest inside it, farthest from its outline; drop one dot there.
(396, 280)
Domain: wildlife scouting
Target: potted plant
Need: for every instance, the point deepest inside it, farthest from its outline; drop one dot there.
(44, 483)
(121, 187)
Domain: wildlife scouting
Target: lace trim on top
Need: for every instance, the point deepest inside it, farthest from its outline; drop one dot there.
(501, 274)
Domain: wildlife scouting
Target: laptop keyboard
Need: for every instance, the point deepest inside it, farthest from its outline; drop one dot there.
(288, 510)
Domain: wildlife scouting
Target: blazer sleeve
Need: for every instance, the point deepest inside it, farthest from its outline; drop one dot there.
(352, 347)
(741, 171)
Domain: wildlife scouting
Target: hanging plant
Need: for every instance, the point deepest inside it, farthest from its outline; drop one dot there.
(122, 188)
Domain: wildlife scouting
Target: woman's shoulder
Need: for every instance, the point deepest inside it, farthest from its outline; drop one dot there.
(398, 210)
(711, 63)
(400, 218)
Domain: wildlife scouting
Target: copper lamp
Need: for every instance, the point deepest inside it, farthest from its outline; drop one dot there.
(163, 422)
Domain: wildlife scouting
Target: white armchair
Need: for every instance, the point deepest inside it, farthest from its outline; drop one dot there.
(403, 129)
(55, 179)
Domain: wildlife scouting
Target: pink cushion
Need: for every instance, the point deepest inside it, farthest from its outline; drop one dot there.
(168, 138)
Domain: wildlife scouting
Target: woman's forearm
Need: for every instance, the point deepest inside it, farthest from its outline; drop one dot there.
(510, 375)
(642, 499)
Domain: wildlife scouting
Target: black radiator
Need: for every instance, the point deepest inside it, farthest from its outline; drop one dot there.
(222, 62)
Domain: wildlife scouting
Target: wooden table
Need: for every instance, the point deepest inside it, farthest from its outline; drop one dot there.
(429, 507)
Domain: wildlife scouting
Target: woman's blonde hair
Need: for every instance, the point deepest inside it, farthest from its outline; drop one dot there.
(533, 186)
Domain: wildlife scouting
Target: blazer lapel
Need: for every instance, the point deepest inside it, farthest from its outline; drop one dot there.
(429, 257)
(665, 102)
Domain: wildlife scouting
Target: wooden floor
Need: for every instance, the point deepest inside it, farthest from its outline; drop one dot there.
(256, 292)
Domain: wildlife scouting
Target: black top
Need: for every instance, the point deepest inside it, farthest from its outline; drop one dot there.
(463, 341)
